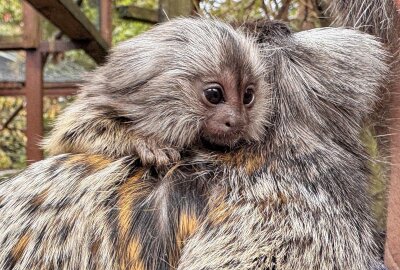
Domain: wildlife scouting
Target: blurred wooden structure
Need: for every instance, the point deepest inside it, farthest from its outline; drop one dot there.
(67, 16)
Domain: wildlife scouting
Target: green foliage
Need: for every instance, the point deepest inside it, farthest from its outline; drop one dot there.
(300, 14)
(10, 18)
(124, 29)
(12, 138)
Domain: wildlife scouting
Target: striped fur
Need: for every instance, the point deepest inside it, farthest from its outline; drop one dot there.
(86, 212)
(296, 200)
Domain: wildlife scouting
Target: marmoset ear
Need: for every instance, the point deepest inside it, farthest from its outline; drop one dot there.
(329, 77)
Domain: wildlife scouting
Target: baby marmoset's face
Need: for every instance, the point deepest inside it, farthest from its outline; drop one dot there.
(229, 89)
(189, 81)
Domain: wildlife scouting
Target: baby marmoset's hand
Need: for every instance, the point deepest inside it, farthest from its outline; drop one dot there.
(151, 153)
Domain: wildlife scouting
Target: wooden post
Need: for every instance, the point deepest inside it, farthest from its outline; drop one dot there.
(169, 9)
(34, 104)
(392, 245)
(33, 86)
(106, 20)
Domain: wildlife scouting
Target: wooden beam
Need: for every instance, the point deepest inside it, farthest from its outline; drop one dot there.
(55, 46)
(49, 89)
(34, 105)
(138, 14)
(13, 43)
(67, 16)
(52, 92)
(11, 85)
(168, 9)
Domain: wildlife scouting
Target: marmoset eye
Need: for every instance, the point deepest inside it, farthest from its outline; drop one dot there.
(214, 95)
(248, 97)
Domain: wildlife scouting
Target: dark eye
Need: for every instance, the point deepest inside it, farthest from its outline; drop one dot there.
(248, 96)
(214, 95)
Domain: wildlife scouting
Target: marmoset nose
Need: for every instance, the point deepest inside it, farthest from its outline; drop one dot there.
(232, 122)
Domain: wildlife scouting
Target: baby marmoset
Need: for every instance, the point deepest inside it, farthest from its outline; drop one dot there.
(170, 88)
(185, 83)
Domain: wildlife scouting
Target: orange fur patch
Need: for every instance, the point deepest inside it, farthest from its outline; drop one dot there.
(19, 248)
(38, 200)
(188, 224)
(129, 191)
(282, 198)
(96, 161)
(133, 259)
(95, 247)
(220, 212)
(251, 161)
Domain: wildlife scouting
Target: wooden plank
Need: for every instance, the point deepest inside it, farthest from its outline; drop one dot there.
(51, 92)
(55, 46)
(169, 9)
(67, 16)
(49, 89)
(13, 43)
(34, 105)
(138, 14)
(11, 117)
(11, 85)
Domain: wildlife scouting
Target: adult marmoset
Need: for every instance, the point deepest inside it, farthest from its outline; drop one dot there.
(293, 200)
